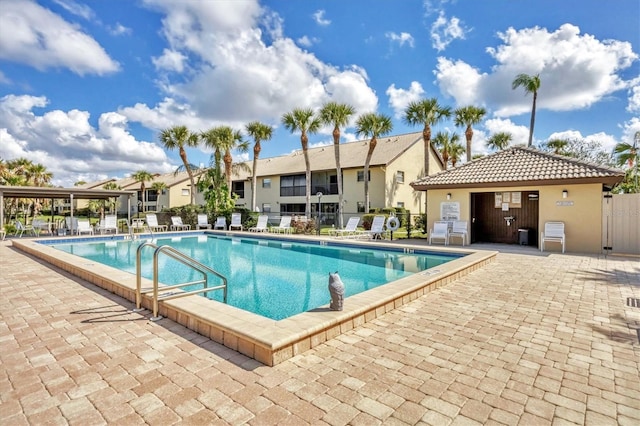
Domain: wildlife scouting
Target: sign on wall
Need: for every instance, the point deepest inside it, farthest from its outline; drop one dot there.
(508, 200)
(450, 210)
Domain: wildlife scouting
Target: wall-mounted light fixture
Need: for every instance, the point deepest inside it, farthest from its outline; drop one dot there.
(565, 193)
(448, 196)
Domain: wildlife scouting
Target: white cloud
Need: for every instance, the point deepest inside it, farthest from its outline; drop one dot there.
(245, 76)
(170, 61)
(33, 35)
(76, 8)
(318, 16)
(634, 98)
(575, 70)
(401, 38)
(444, 31)
(119, 29)
(400, 98)
(305, 41)
(68, 145)
(519, 134)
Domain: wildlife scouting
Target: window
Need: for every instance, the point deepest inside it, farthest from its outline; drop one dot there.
(360, 205)
(237, 188)
(400, 176)
(266, 183)
(400, 204)
(361, 176)
(266, 207)
(185, 192)
(291, 186)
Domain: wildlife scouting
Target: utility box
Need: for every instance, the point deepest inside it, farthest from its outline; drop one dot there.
(523, 236)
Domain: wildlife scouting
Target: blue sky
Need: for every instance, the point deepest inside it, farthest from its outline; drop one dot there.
(86, 86)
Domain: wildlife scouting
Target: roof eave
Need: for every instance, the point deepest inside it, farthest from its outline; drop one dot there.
(608, 180)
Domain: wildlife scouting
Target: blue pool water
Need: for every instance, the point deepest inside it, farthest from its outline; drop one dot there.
(272, 278)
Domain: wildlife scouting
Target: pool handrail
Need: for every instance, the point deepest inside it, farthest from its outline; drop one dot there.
(185, 260)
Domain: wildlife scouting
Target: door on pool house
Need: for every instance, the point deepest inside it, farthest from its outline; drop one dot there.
(509, 217)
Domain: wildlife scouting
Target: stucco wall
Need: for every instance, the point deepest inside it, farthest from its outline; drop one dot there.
(581, 211)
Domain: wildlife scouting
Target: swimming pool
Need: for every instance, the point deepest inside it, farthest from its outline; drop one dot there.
(270, 277)
(268, 341)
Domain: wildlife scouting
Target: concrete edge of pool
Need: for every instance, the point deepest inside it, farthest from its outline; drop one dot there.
(265, 340)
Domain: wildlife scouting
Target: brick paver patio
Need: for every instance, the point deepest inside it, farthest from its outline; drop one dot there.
(528, 339)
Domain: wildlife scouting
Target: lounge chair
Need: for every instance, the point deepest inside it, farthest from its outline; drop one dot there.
(84, 227)
(440, 231)
(152, 223)
(350, 229)
(71, 223)
(108, 224)
(221, 223)
(377, 230)
(236, 221)
(3, 234)
(22, 228)
(177, 225)
(553, 231)
(284, 227)
(262, 225)
(459, 229)
(203, 221)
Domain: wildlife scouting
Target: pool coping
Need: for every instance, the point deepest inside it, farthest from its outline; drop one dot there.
(265, 340)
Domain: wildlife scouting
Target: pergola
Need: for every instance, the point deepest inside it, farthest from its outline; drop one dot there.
(60, 193)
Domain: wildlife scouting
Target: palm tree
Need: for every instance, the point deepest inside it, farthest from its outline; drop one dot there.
(443, 141)
(38, 175)
(557, 145)
(426, 112)
(456, 150)
(371, 125)
(466, 117)
(259, 132)
(337, 115)
(499, 141)
(112, 186)
(628, 154)
(531, 84)
(305, 121)
(179, 137)
(225, 140)
(142, 176)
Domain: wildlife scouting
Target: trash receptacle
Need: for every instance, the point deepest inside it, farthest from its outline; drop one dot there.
(523, 236)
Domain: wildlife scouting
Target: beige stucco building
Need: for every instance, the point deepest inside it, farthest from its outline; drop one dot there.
(516, 191)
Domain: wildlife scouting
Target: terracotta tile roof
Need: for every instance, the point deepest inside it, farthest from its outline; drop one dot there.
(520, 166)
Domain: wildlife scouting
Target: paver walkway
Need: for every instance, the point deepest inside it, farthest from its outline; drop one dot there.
(529, 340)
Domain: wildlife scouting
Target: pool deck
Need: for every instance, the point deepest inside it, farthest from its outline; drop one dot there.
(530, 338)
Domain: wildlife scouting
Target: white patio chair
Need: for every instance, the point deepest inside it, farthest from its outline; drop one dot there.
(350, 229)
(221, 223)
(152, 223)
(262, 225)
(459, 229)
(177, 225)
(377, 230)
(440, 231)
(554, 232)
(236, 221)
(284, 227)
(203, 221)
(108, 224)
(84, 227)
(22, 228)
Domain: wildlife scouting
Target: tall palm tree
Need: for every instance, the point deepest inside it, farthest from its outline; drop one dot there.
(456, 150)
(499, 141)
(443, 141)
(259, 132)
(557, 145)
(426, 112)
(305, 121)
(466, 117)
(226, 139)
(531, 84)
(180, 137)
(114, 187)
(142, 176)
(373, 126)
(627, 153)
(337, 115)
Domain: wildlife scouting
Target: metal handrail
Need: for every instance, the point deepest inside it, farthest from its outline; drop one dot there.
(185, 260)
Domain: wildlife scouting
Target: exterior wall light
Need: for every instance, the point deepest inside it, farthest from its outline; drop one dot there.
(565, 193)
(448, 196)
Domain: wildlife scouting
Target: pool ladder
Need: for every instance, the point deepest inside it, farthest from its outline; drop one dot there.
(160, 294)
